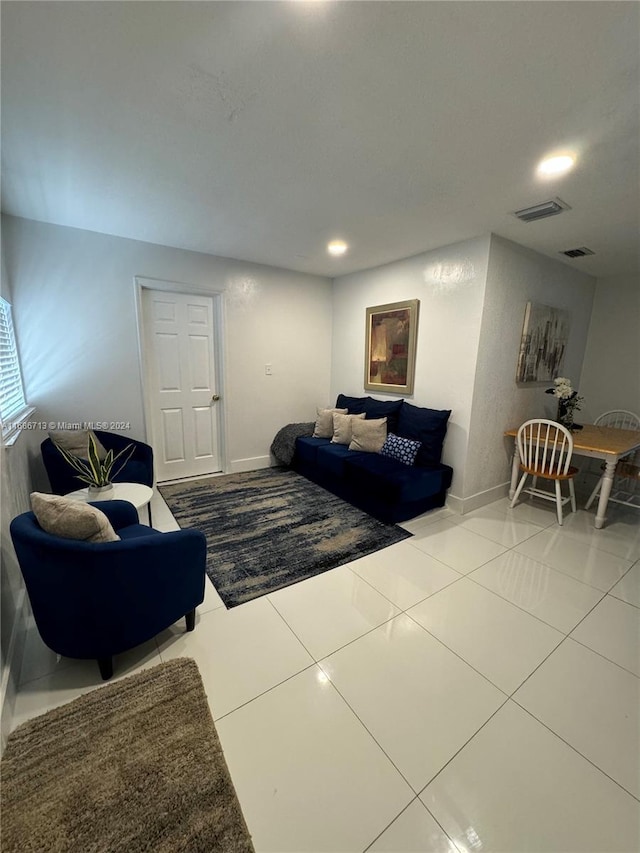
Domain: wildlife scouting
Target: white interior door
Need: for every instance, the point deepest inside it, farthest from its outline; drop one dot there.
(181, 383)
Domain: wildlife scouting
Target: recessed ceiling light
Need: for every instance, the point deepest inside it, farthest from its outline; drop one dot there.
(557, 165)
(337, 247)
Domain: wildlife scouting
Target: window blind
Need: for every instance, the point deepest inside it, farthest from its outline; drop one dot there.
(12, 401)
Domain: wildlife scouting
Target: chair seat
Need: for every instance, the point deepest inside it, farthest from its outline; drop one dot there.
(626, 469)
(547, 476)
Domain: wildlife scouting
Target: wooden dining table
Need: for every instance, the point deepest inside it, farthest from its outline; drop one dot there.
(606, 443)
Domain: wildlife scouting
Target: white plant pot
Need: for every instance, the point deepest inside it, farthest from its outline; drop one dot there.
(101, 493)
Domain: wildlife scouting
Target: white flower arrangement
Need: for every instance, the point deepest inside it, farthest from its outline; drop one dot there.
(568, 401)
(562, 388)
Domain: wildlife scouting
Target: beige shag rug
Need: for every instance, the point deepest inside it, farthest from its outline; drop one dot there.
(134, 766)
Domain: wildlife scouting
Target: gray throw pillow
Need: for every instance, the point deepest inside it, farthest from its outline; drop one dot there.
(342, 427)
(76, 441)
(72, 519)
(324, 424)
(369, 435)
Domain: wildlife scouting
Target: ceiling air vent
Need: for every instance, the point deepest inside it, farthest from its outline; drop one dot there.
(541, 211)
(578, 253)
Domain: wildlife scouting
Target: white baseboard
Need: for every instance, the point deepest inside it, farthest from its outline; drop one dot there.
(11, 670)
(454, 503)
(253, 463)
(464, 505)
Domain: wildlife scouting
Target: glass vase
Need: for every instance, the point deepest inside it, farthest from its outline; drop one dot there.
(565, 413)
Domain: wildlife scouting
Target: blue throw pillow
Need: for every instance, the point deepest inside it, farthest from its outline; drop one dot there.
(372, 408)
(355, 405)
(403, 449)
(428, 426)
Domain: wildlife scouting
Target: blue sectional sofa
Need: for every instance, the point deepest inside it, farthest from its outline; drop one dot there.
(386, 488)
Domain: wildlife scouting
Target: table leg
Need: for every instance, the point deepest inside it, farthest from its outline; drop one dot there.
(149, 511)
(605, 491)
(515, 470)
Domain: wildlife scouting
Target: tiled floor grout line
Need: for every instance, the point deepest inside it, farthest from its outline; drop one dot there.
(575, 749)
(465, 744)
(371, 735)
(416, 798)
(415, 604)
(561, 530)
(291, 629)
(469, 575)
(454, 652)
(624, 601)
(538, 559)
(528, 612)
(263, 693)
(604, 657)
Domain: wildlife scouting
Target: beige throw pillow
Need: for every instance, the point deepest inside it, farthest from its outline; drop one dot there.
(369, 435)
(342, 427)
(76, 441)
(72, 519)
(324, 423)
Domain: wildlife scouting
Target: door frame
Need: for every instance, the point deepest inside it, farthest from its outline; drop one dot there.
(142, 283)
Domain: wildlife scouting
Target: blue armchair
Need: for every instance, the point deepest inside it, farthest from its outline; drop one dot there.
(96, 600)
(63, 479)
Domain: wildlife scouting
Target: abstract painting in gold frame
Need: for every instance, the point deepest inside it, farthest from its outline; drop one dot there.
(390, 348)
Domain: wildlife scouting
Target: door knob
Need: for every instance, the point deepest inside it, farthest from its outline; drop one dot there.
(215, 398)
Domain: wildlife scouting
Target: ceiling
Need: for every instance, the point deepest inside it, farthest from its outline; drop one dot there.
(262, 130)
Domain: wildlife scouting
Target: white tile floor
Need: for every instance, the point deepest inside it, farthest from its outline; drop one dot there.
(473, 688)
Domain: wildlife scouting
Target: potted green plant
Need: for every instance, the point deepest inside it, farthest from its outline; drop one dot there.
(95, 472)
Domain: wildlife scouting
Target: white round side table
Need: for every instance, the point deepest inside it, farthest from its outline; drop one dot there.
(135, 493)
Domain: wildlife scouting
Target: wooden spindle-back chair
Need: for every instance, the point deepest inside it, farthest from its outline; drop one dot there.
(545, 449)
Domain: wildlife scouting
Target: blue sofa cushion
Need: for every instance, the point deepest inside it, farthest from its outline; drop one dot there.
(307, 448)
(429, 426)
(332, 457)
(385, 478)
(372, 408)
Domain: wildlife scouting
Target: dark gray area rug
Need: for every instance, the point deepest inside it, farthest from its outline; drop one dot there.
(270, 528)
(134, 766)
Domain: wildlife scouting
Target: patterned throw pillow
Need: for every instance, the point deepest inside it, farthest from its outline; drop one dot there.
(403, 449)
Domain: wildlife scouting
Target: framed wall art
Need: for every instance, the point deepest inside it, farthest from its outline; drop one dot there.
(545, 333)
(390, 347)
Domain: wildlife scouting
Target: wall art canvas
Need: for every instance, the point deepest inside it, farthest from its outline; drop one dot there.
(390, 350)
(545, 333)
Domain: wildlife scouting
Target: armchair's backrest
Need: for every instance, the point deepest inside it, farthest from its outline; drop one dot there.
(545, 447)
(63, 479)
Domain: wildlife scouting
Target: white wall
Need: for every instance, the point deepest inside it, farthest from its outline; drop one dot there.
(450, 284)
(74, 308)
(611, 371)
(515, 276)
(16, 483)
